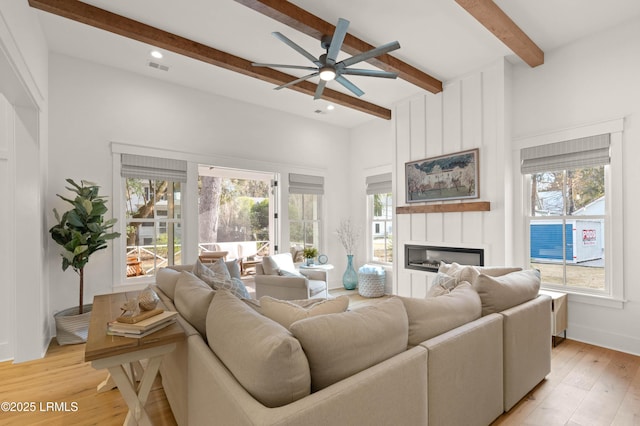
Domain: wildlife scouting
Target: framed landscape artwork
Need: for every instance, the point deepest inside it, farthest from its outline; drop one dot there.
(447, 177)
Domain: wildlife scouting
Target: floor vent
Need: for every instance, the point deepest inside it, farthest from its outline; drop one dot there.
(158, 66)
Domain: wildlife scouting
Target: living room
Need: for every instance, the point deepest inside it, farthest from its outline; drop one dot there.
(71, 111)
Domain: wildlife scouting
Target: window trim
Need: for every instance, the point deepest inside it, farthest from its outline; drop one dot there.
(370, 220)
(614, 232)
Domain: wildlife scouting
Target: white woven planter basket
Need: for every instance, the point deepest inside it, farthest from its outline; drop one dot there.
(72, 328)
(371, 285)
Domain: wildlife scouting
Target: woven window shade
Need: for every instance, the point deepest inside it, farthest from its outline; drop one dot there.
(573, 154)
(143, 167)
(305, 184)
(379, 184)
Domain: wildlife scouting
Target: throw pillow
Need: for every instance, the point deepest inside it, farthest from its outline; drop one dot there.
(506, 291)
(233, 266)
(269, 266)
(286, 313)
(442, 284)
(284, 273)
(261, 354)
(192, 300)
(236, 287)
(212, 273)
(218, 277)
(341, 345)
(433, 316)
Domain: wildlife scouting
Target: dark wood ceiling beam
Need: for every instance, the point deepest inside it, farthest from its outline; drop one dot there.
(289, 14)
(495, 20)
(117, 24)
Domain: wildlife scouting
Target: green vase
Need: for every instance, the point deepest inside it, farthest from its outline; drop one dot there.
(350, 277)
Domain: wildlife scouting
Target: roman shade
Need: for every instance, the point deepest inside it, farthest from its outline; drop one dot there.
(379, 184)
(305, 184)
(567, 155)
(143, 167)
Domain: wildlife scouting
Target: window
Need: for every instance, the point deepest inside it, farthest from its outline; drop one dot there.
(305, 222)
(567, 212)
(153, 216)
(380, 213)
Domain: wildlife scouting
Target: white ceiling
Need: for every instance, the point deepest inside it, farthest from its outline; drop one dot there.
(436, 36)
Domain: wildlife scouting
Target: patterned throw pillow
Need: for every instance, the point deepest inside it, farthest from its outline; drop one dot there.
(217, 276)
(442, 284)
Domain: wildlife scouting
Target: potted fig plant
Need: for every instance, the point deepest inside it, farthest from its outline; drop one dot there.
(81, 232)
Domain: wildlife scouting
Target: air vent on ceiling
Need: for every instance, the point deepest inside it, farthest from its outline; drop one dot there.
(158, 66)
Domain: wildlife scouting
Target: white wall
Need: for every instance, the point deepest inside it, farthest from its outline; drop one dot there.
(93, 105)
(469, 113)
(593, 80)
(23, 87)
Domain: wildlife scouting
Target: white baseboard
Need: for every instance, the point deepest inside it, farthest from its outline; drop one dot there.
(604, 338)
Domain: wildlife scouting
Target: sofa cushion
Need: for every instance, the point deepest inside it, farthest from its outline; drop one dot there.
(286, 313)
(433, 316)
(506, 291)
(262, 355)
(166, 279)
(218, 277)
(340, 345)
(192, 299)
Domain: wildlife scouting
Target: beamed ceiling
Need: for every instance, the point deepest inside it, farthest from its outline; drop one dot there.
(204, 40)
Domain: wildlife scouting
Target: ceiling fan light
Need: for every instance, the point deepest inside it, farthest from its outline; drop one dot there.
(327, 73)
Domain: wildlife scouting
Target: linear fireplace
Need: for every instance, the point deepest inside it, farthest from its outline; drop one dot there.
(428, 258)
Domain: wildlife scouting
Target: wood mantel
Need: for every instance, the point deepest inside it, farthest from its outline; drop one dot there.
(476, 206)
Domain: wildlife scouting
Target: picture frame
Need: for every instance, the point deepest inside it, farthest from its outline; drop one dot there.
(453, 176)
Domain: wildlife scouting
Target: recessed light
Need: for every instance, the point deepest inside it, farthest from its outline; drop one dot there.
(156, 54)
(330, 107)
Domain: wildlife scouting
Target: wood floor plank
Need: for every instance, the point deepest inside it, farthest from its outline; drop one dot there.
(629, 410)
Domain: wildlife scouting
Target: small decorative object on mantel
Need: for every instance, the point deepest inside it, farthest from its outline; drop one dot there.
(447, 177)
(349, 235)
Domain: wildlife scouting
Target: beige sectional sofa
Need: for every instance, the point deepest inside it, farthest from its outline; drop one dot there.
(455, 359)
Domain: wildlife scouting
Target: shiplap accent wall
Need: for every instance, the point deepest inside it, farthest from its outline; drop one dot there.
(469, 113)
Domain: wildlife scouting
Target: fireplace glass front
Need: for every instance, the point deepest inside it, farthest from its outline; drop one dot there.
(428, 258)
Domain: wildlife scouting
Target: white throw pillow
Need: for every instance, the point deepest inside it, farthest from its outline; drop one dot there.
(218, 277)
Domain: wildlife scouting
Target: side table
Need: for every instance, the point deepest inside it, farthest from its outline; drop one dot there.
(311, 271)
(121, 356)
(559, 316)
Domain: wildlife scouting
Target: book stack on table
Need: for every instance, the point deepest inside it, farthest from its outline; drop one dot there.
(142, 328)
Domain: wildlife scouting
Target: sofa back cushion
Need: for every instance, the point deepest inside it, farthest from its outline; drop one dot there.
(286, 313)
(506, 291)
(432, 316)
(166, 279)
(261, 354)
(192, 299)
(340, 345)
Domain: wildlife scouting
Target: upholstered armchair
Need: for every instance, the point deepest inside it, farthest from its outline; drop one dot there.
(278, 277)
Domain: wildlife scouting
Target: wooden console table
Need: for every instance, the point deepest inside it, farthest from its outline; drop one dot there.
(121, 356)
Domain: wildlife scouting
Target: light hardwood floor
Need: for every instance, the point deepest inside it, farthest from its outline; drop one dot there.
(588, 385)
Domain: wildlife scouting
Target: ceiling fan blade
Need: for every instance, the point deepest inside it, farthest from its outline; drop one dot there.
(368, 73)
(291, 83)
(349, 85)
(336, 41)
(319, 89)
(296, 47)
(297, 67)
(371, 53)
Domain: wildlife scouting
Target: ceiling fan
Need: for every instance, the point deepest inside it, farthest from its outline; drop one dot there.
(326, 66)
